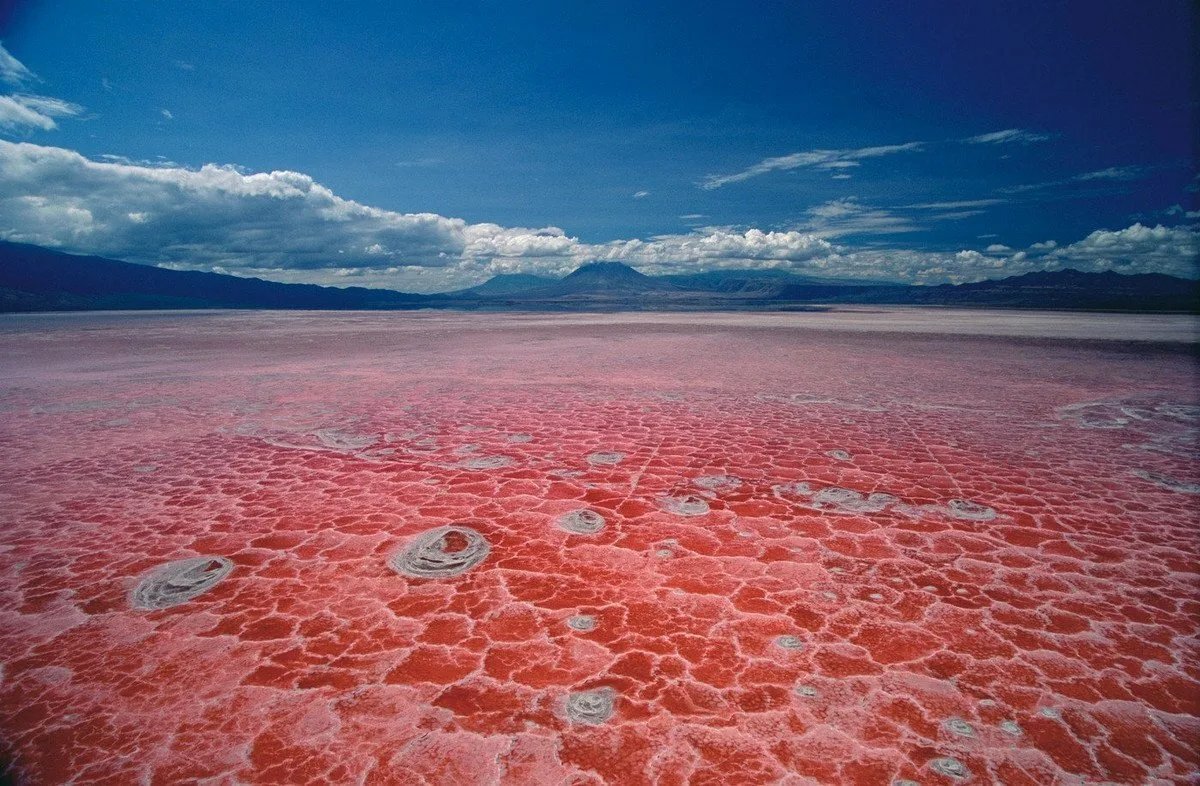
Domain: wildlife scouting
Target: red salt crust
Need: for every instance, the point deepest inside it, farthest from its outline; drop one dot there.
(310, 448)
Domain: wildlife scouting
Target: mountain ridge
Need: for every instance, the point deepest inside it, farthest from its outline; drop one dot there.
(33, 278)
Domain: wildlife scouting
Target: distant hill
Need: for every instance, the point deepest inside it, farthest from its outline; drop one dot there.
(612, 284)
(40, 279)
(507, 284)
(607, 280)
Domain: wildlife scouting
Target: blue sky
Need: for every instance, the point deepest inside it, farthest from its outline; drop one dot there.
(429, 145)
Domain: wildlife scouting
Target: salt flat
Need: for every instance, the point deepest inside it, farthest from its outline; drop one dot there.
(844, 547)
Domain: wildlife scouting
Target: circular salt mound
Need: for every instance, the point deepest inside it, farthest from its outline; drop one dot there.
(690, 505)
(441, 553)
(789, 642)
(581, 622)
(180, 581)
(592, 707)
(960, 727)
(950, 767)
(581, 522)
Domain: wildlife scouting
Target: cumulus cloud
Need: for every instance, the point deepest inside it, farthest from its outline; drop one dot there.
(1135, 249)
(1177, 210)
(836, 159)
(284, 226)
(1006, 136)
(13, 70)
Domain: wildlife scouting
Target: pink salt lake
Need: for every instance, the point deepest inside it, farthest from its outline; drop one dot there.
(860, 547)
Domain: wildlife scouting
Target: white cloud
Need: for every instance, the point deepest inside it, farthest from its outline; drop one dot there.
(13, 70)
(24, 112)
(285, 226)
(641, 194)
(1005, 136)
(848, 216)
(1112, 173)
(819, 159)
(1135, 249)
(956, 205)
(166, 113)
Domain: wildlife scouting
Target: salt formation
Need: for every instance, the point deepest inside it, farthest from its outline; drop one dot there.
(840, 455)
(718, 482)
(592, 707)
(606, 458)
(441, 553)
(581, 622)
(341, 441)
(180, 581)
(840, 500)
(689, 505)
(1168, 482)
(807, 691)
(581, 522)
(970, 511)
(833, 499)
(960, 727)
(485, 462)
(1011, 728)
(790, 642)
(950, 767)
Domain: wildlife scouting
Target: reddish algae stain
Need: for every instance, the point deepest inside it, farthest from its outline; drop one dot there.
(835, 556)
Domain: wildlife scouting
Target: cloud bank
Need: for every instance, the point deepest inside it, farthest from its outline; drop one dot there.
(285, 226)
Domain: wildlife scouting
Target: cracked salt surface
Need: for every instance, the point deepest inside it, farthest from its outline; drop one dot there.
(1020, 562)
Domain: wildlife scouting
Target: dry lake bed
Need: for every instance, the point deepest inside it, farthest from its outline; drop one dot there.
(871, 546)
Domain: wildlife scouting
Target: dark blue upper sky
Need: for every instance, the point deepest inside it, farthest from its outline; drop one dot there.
(558, 114)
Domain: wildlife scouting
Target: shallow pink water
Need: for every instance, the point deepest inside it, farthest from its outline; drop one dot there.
(1017, 603)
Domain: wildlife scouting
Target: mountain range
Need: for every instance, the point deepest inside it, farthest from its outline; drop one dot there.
(33, 278)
